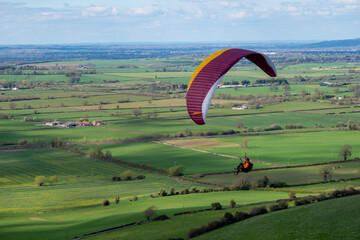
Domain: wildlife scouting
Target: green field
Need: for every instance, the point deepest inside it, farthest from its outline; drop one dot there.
(267, 119)
(160, 155)
(82, 182)
(59, 225)
(332, 219)
(293, 149)
(293, 176)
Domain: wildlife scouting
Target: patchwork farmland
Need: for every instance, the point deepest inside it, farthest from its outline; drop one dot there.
(96, 182)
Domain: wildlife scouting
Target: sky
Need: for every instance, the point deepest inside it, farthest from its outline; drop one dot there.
(114, 21)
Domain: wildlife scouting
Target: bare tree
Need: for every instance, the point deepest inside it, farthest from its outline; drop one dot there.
(12, 105)
(244, 143)
(136, 112)
(325, 174)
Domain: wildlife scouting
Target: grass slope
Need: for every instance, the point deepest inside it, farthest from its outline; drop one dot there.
(67, 224)
(82, 182)
(331, 219)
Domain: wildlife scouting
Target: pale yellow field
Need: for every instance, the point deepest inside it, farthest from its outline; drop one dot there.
(201, 143)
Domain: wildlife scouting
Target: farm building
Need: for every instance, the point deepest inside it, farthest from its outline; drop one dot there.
(68, 125)
(83, 124)
(325, 84)
(245, 106)
(53, 124)
(97, 122)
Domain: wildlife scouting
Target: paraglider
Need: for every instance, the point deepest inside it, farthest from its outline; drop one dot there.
(209, 73)
(244, 167)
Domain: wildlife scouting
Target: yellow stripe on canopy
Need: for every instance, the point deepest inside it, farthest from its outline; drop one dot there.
(204, 63)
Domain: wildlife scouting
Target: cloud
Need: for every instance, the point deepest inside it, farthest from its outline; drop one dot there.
(99, 10)
(229, 4)
(238, 14)
(143, 11)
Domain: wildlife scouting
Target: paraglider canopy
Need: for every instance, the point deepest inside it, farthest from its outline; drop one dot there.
(209, 73)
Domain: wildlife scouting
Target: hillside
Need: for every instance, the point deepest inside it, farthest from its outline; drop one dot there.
(333, 219)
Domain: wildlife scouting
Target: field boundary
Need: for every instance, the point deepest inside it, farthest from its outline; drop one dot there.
(284, 167)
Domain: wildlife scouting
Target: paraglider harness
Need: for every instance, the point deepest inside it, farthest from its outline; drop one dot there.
(244, 167)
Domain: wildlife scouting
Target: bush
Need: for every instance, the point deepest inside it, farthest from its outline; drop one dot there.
(226, 188)
(106, 203)
(292, 194)
(263, 182)
(40, 180)
(322, 197)
(283, 205)
(228, 132)
(115, 178)
(228, 217)
(107, 156)
(177, 170)
(128, 175)
(194, 190)
(96, 153)
(277, 207)
(140, 176)
(56, 143)
(241, 184)
(273, 127)
(232, 203)
(216, 206)
(53, 179)
(274, 208)
(22, 141)
(179, 134)
(294, 126)
(238, 216)
(195, 232)
(257, 211)
(185, 191)
(302, 201)
(162, 193)
(210, 133)
(161, 217)
(134, 199)
(206, 190)
(278, 184)
(150, 212)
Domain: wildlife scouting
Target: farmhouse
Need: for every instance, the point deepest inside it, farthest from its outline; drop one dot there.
(68, 125)
(97, 122)
(86, 123)
(53, 124)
